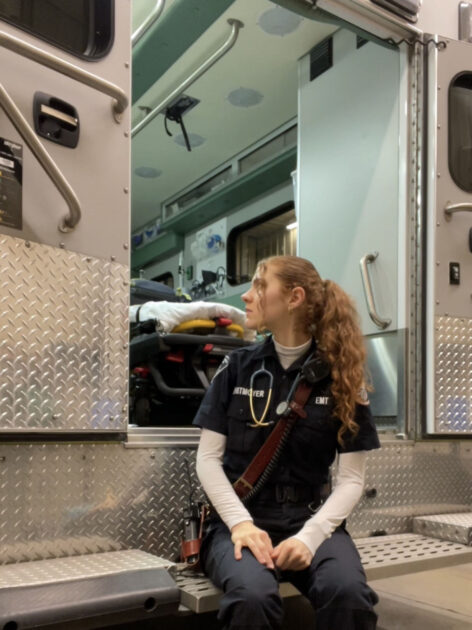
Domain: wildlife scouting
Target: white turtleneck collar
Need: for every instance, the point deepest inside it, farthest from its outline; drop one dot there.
(288, 354)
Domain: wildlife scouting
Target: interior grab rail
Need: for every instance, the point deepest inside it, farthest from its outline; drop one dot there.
(120, 99)
(206, 65)
(67, 223)
(374, 316)
(148, 22)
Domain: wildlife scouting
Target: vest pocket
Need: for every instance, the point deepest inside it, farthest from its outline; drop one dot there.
(242, 437)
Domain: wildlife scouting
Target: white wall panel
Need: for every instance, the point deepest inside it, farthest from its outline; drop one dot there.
(348, 165)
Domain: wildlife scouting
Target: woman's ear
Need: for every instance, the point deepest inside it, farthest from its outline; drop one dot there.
(297, 297)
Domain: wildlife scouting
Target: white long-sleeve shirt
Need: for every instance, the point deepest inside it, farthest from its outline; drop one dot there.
(337, 507)
(345, 495)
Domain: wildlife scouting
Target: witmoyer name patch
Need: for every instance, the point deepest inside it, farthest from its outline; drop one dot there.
(245, 391)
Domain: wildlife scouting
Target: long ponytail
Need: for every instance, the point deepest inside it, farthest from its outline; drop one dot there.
(342, 344)
(331, 317)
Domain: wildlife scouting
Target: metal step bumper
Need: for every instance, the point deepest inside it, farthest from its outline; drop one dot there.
(453, 527)
(89, 591)
(382, 556)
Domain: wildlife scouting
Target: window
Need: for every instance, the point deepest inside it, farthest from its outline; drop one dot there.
(268, 150)
(460, 131)
(81, 27)
(166, 278)
(273, 234)
(189, 198)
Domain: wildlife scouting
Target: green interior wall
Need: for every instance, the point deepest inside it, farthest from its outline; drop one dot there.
(219, 203)
(177, 29)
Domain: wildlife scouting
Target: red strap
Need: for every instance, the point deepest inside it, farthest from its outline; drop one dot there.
(263, 456)
(190, 548)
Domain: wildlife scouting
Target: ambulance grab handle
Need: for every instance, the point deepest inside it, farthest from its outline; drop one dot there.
(120, 102)
(451, 208)
(374, 316)
(17, 119)
(196, 74)
(148, 22)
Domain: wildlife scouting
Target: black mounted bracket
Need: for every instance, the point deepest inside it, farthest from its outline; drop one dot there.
(175, 113)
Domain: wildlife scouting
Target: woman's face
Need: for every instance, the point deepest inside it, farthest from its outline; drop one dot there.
(267, 303)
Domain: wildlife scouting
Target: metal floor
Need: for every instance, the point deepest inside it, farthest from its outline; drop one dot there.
(430, 600)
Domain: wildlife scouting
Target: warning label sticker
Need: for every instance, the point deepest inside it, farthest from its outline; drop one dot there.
(11, 183)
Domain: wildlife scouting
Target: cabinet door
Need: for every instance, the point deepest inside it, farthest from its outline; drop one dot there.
(350, 191)
(64, 153)
(449, 237)
(74, 122)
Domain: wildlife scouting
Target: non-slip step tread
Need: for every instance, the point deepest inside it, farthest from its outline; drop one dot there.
(381, 556)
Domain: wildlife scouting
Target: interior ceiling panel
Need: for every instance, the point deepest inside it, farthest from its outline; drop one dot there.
(259, 61)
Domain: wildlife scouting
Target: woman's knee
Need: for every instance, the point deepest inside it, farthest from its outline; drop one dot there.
(345, 592)
(257, 603)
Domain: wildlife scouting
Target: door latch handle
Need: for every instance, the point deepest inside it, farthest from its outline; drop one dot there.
(452, 208)
(56, 120)
(62, 116)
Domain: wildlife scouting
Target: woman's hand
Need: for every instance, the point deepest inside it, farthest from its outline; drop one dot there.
(246, 534)
(291, 554)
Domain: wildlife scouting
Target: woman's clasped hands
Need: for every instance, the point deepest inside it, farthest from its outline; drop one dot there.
(290, 554)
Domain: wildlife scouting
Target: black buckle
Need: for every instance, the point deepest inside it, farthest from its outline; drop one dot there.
(283, 494)
(293, 494)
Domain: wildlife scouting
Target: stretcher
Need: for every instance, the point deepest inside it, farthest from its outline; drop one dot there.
(175, 350)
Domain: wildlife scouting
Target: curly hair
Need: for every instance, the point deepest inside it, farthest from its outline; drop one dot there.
(331, 317)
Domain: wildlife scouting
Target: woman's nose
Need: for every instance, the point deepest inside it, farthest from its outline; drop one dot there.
(245, 296)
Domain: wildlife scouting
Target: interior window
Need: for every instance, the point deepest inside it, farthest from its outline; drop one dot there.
(273, 234)
(460, 131)
(82, 27)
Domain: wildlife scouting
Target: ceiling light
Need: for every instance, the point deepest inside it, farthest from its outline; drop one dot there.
(147, 172)
(194, 139)
(245, 97)
(279, 21)
(292, 226)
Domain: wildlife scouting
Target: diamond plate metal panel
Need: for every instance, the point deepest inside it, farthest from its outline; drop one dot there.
(78, 567)
(63, 340)
(73, 499)
(407, 479)
(453, 527)
(70, 499)
(453, 375)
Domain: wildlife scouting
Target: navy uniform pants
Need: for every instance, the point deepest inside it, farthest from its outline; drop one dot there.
(335, 583)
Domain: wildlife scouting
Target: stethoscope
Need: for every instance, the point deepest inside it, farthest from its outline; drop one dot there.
(259, 422)
(313, 370)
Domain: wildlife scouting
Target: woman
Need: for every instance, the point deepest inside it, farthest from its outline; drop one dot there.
(283, 533)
